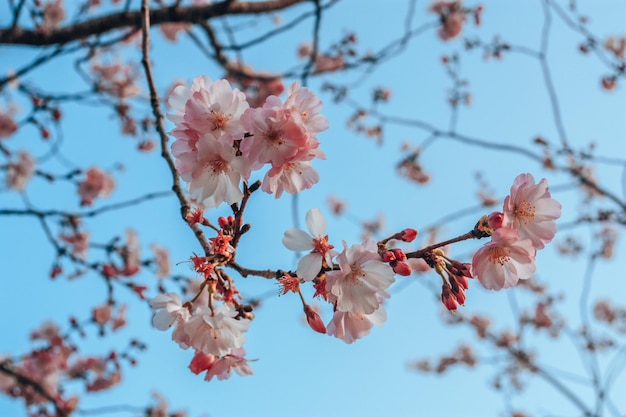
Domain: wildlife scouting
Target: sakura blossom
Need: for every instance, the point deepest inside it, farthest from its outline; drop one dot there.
(215, 178)
(308, 105)
(53, 14)
(350, 326)
(316, 242)
(79, 242)
(162, 260)
(116, 79)
(97, 184)
(171, 30)
(531, 211)
(207, 107)
(7, 125)
(291, 177)
(20, 172)
(169, 310)
(452, 18)
(503, 261)
(360, 283)
(222, 367)
(278, 134)
(216, 331)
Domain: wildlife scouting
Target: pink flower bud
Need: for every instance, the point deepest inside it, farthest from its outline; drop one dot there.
(201, 362)
(389, 256)
(407, 235)
(402, 268)
(222, 222)
(400, 255)
(448, 299)
(495, 220)
(314, 319)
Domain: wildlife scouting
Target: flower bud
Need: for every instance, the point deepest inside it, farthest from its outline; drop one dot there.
(448, 299)
(407, 235)
(402, 268)
(314, 319)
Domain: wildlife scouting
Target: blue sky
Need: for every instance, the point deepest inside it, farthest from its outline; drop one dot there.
(299, 372)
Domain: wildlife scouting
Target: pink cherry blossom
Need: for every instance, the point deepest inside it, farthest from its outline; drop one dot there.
(169, 311)
(209, 108)
(316, 242)
(308, 105)
(170, 30)
(7, 125)
(19, 173)
(216, 332)
(291, 177)
(53, 14)
(452, 18)
(217, 173)
(97, 184)
(162, 261)
(278, 134)
(360, 282)
(505, 260)
(531, 211)
(349, 326)
(223, 367)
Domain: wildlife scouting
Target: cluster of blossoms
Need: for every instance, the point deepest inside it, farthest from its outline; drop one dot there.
(525, 226)
(453, 16)
(39, 375)
(216, 333)
(97, 183)
(20, 171)
(355, 285)
(220, 140)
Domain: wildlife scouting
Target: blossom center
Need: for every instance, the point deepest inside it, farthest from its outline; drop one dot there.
(356, 272)
(525, 211)
(274, 137)
(321, 245)
(218, 166)
(498, 255)
(218, 120)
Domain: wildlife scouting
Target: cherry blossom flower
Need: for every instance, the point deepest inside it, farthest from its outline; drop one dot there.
(117, 79)
(616, 45)
(170, 30)
(222, 367)
(359, 284)
(162, 261)
(452, 18)
(169, 310)
(308, 105)
(531, 211)
(217, 331)
(97, 184)
(278, 134)
(316, 242)
(349, 326)
(53, 14)
(79, 242)
(505, 260)
(217, 173)
(7, 125)
(209, 108)
(102, 314)
(19, 173)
